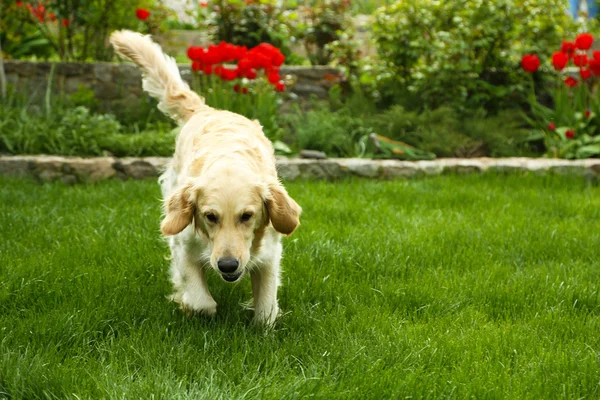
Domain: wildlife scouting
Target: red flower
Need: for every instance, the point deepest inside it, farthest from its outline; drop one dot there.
(570, 134)
(567, 47)
(239, 89)
(580, 60)
(218, 70)
(203, 3)
(584, 41)
(213, 55)
(196, 66)
(530, 62)
(559, 60)
(251, 74)
(244, 64)
(278, 59)
(595, 66)
(571, 82)
(196, 53)
(207, 69)
(585, 73)
(142, 14)
(280, 86)
(64, 22)
(587, 113)
(19, 3)
(551, 126)
(228, 74)
(274, 77)
(38, 12)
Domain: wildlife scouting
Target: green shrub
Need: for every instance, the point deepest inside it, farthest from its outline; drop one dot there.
(338, 134)
(30, 129)
(73, 30)
(466, 53)
(248, 23)
(447, 134)
(323, 22)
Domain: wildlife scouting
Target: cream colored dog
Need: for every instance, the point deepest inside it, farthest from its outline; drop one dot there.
(225, 208)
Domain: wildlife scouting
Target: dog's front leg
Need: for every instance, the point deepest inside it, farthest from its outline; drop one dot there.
(264, 291)
(191, 288)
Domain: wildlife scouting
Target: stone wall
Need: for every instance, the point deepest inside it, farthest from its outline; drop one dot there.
(74, 170)
(115, 83)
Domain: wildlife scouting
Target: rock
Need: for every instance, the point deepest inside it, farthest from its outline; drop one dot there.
(314, 154)
(359, 167)
(395, 169)
(137, 168)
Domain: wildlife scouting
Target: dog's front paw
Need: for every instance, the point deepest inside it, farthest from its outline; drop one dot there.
(266, 316)
(206, 306)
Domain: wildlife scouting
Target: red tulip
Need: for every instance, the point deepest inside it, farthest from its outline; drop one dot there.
(280, 86)
(64, 22)
(571, 82)
(584, 41)
(570, 134)
(530, 62)
(251, 74)
(587, 113)
(207, 69)
(567, 47)
(585, 73)
(228, 74)
(142, 14)
(274, 77)
(196, 66)
(580, 60)
(559, 60)
(551, 126)
(196, 53)
(595, 66)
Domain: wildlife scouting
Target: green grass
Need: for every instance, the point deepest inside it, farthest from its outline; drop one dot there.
(450, 287)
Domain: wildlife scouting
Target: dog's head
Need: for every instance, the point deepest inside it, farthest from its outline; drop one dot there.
(233, 211)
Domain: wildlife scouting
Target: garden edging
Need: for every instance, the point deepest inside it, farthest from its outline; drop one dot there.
(75, 169)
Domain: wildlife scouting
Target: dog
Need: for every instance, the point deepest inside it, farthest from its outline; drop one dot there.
(224, 207)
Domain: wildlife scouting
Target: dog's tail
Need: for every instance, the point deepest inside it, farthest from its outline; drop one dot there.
(161, 78)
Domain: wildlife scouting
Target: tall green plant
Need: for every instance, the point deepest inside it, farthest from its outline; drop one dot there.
(465, 53)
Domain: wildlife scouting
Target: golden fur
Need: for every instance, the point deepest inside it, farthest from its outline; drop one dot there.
(223, 200)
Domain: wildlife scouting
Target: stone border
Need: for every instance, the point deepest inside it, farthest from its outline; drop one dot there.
(72, 170)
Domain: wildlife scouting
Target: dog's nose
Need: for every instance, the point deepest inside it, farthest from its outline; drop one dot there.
(228, 264)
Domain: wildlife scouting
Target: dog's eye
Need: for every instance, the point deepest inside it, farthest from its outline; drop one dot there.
(211, 217)
(246, 217)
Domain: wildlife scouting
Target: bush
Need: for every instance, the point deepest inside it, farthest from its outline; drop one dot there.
(248, 23)
(343, 130)
(74, 30)
(323, 22)
(465, 53)
(338, 134)
(64, 130)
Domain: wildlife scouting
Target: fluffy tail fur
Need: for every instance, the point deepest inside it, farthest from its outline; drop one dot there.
(161, 78)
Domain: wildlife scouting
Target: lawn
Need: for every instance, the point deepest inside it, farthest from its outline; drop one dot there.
(448, 287)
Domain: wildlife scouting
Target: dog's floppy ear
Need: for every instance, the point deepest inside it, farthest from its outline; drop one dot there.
(284, 212)
(180, 208)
